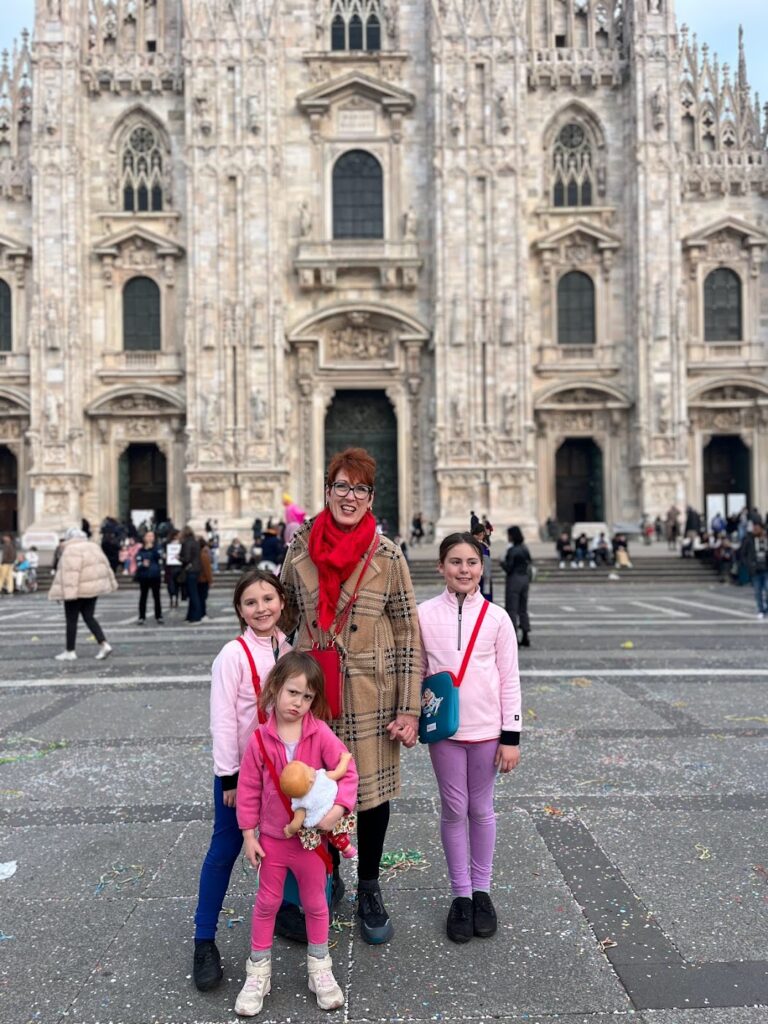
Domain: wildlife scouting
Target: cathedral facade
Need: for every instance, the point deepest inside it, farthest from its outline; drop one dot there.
(517, 248)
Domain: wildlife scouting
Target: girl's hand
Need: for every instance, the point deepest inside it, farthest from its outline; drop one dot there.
(229, 796)
(335, 814)
(252, 848)
(404, 729)
(507, 758)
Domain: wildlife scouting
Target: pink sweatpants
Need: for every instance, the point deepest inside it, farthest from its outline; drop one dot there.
(465, 777)
(311, 876)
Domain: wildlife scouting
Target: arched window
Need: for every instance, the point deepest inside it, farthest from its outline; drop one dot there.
(356, 25)
(573, 171)
(358, 202)
(576, 309)
(6, 336)
(141, 167)
(722, 306)
(141, 315)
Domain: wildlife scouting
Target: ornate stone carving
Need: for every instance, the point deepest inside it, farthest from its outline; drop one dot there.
(357, 340)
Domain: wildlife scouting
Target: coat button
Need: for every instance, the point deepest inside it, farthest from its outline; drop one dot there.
(314, 623)
(353, 628)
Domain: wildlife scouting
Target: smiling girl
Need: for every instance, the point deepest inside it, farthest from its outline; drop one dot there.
(488, 737)
(236, 678)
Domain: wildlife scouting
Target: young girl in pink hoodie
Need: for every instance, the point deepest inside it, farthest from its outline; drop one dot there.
(488, 736)
(239, 669)
(296, 730)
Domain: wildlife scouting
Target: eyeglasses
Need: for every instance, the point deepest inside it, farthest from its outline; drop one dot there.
(341, 488)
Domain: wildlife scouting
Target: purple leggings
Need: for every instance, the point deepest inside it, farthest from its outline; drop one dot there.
(465, 776)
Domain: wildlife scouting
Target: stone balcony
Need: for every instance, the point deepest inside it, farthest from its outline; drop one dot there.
(157, 366)
(558, 359)
(550, 67)
(727, 355)
(396, 264)
(14, 367)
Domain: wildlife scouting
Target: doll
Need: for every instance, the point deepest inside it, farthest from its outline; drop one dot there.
(313, 794)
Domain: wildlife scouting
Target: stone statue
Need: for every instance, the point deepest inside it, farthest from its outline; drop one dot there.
(51, 328)
(410, 224)
(305, 219)
(52, 409)
(210, 416)
(389, 15)
(456, 100)
(508, 408)
(658, 108)
(53, 8)
(253, 113)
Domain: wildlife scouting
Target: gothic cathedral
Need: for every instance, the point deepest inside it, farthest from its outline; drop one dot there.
(515, 247)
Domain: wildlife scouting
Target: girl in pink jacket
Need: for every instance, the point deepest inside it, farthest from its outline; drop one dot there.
(236, 677)
(488, 736)
(296, 730)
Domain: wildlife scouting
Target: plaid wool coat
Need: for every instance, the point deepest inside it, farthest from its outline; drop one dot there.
(381, 655)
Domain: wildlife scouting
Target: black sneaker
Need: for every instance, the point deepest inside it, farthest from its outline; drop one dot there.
(459, 923)
(207, 970)
(290, 923)
(484, 915)
(375, 925)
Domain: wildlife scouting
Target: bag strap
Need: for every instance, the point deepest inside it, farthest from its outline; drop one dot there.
(254, 679)
(341, 621)
(471, 643)
(320, 850)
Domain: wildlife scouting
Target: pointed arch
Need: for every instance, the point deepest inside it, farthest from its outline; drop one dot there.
(140, 148)
(575, 156)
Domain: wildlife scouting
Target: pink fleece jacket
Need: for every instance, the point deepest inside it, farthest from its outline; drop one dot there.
(489, 698)
(258, 801)
(233, 699)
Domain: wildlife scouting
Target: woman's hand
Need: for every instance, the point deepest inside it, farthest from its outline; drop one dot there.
(252, 848)
(335, 814)
(507, 758)
(229, 796)
(404, 729)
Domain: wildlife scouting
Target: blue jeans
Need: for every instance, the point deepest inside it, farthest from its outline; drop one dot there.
(194, 608)
(226, 843)
(760, 583)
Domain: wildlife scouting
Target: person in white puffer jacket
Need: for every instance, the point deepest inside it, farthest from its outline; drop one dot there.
(488, 737)
(82, 575)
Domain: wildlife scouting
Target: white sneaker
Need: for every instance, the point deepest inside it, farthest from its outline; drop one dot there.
(258, 982)
(760, 615)
(66, 656)
(104, 651)
(562, 565)
(323, 983)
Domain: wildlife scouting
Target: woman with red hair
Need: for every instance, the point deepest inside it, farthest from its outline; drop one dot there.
(348, 588)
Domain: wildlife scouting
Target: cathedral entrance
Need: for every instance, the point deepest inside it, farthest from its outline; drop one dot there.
(9, 493)
(726, 467)
(366, 419)
(579, 482)
(143, 481)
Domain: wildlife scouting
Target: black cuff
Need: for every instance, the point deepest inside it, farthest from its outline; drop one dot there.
(230, 781)
(509, 738)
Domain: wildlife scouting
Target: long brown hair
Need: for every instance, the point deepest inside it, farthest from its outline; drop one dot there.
(296, 663)
(245, 581)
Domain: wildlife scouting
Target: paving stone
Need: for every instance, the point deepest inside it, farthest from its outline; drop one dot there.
(129, 714)
(592, 704)
(740, 704)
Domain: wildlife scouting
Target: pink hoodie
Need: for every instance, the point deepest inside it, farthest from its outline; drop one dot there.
(258, 802)
(233, 699)
(489, 698)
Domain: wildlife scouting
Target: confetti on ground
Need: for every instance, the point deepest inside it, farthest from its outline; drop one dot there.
(530, 713)
(763, 719)
(338, 926)
(15, 793)
(8, 869)
(703, 852)
(760, 870)
(4, 937)
(402, 860)
(229, 914)
(41, 748)
(627, 646)
(607, 944)
(553, 812)
(119, 877)
(581, 681)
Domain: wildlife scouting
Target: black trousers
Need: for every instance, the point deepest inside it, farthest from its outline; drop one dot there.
(85, 606)
(516, 600)
(371, 833)
(146, 586)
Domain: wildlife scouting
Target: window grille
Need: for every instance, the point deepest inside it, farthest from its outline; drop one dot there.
(142, 171)
(358, 201)
(141, 315)
(576, 309)
(6, 337)
(722, 306)
(356, 25)
(572, 167)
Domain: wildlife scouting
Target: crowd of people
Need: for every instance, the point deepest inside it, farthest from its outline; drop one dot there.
(583, 550)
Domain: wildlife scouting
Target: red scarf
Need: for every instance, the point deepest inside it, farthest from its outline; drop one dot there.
(335, 554)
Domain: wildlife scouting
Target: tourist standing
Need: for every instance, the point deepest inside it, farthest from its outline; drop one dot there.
(82, 575)
(149, 573)
(516, 564)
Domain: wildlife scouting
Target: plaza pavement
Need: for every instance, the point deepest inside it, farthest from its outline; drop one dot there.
(632, 857)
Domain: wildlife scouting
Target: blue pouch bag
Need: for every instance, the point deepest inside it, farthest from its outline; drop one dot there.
(439, 718)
